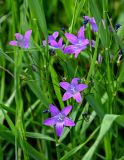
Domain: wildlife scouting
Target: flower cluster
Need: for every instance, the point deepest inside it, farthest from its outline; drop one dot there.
(77, 44)
(22, 41)
(59, 119)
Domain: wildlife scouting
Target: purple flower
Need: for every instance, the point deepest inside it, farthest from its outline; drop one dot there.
(53, 43)
(73, 89)
(22, 41)
(99, 59)
(78, 42)
(92, 23)
(59, 119)
(51, 38)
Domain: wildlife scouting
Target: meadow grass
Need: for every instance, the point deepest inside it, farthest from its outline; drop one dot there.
(29, 81)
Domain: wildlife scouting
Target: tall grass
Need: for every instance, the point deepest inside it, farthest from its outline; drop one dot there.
(29, 81)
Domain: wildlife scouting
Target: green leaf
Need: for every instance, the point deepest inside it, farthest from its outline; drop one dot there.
(121, 75)
(120, 32)
(8, 136)
(8, 109)
(76, 149)
(39, 136)
(98, 19)
(9, 121)
(105, 126)
(95, 105)
(36, 8)
(6, 56)
(38, 92)
(120, 120)
(56, 86)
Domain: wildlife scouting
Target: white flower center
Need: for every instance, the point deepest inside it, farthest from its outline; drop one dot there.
(60, 117)
(73, 89)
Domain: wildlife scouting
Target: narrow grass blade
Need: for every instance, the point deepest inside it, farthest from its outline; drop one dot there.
(105, 126)
(76, 149)
(6, 56)
(98, 19)
(56, 86)
(39, 136)
(95, 105)
(36, 8)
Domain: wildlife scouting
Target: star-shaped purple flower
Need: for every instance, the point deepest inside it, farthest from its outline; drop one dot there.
(53, 43)
(92, 23)
(59, 119)
(22, 41)
(78, 42)
(73, 89)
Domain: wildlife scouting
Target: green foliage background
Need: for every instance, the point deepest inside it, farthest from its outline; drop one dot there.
(29, 81)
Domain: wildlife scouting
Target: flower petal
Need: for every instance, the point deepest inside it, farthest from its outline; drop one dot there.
(64, 85)
(70, 49)
(18, 36)
(50, 38)
(76, 53)
(81, 33)
(53, 43)
(85, 42)
(71, 38)
(27, 35)
(55, 34)
(59, 129)
(26, 43)
(77, 97)
(75, 81)
(13, 43)
(81, 87)
(86, 18)
(77, 48)
(66, 96)
(60, 43)
(50, 121)
(65, 111)
(93, 24)
(68, 122)
(53, 110)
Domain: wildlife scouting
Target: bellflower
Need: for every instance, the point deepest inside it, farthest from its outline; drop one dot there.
(92, 23)
(73, 89)
(53, 43)
(22, 41)
(59, 118)
(78, 42)
(51, 38)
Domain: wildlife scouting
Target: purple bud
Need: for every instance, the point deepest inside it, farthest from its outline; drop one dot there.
(51, 52)
(99, 58)
(63, 29)
(117, 26)
(46, 111)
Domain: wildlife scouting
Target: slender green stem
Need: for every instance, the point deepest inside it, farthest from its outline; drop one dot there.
(57, 146)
